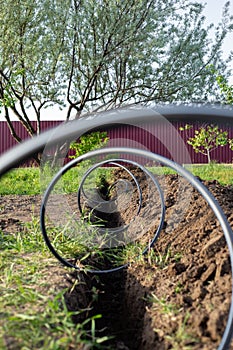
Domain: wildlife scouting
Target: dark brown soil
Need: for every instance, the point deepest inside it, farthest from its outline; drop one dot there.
(179, 299)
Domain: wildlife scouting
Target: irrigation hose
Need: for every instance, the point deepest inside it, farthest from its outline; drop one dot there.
(73, 163)
(72, 130)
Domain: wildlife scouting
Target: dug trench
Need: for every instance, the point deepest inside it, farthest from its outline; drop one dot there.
(177, 297)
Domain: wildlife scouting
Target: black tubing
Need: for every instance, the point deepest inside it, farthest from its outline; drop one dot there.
(70, 165)
(188, 113)
(134, 115)
(208, 197)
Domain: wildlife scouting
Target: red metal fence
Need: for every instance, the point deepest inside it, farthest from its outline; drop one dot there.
(157, 139)
(161, 139)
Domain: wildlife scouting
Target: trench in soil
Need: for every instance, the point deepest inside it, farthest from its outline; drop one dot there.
(194, 281)
(178, 300)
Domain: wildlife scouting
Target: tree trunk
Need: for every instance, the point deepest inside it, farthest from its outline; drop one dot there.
(208, 156)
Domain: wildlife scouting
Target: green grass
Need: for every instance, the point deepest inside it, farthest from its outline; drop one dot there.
(29, 180)
(221, 172)
(181, 338)
(33, 311)
(163, 305)
(21, 181)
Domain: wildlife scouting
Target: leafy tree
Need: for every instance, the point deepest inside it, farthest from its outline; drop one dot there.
(98, 54)
(30, 47)
(140, 51)
(207, 138)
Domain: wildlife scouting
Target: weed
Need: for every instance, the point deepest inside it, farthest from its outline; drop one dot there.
(179, 288)
(130, 253)
(53, 328)
(155, 257)
(182, 339)
(164, 306)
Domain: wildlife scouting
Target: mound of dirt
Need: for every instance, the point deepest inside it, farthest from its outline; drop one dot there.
(179, 298)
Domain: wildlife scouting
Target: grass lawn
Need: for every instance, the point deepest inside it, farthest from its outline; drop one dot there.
(28, 180)
(33, 311)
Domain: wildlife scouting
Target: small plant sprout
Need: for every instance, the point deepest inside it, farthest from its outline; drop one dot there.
(181, 338)
(163, 304)
(178, 288)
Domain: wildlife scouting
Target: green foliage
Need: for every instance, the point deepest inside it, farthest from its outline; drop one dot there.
(231, 144)
(89, 142)
(206, 139)
(226, 89)
(164, 305)
(181, 337)
(186, 127)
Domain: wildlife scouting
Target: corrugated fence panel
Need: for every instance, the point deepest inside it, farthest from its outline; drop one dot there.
(6, 139)
(161, 139)
(168, 141)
